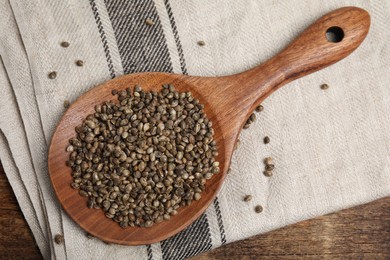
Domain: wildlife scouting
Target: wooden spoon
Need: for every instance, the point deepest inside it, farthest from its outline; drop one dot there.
(228, 101)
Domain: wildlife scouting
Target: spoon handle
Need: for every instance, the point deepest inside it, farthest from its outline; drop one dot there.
(328, 40)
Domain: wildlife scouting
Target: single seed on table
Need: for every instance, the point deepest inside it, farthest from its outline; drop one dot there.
(258, 209)
(268, 161)
(268, 173)
(149, 21)
(65, 44)
(201, 43)
(269, 167)
(79, 63)
(59, 239)
(266, 140)
(52, 75)
(247, 198)
(66, 103)
(324, 86)
(259, 108)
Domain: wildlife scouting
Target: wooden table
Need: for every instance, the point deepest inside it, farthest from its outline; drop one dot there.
(357, 233)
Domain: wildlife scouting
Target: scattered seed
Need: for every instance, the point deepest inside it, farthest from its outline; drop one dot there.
(258, 209)
(201, 43)
(268, 173)
(250, 120)
(65, 44)
(75, 185)
(324, 86)
(59, 239)
(149, 21)
(52, 75)
(268, 161)
(66, 103)
(259, 108)
(266, 140)
(248, 198)
(80, 63)
(269, 165)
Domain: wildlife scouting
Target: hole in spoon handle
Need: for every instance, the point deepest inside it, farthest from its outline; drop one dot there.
(334, 34)
(328, 40)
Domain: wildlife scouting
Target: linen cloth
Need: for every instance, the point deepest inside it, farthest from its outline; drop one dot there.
(331, 148)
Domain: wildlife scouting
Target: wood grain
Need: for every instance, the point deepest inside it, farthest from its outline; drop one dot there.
(362, 232)
(228, 102)
(359, 233)
(16, 240)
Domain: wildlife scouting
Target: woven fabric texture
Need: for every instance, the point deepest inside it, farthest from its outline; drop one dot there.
(331, 147)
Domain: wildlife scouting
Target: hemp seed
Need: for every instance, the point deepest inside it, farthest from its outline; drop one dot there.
(59, 239)
(149, 22)
(248, 198)
(65, 44)
(258, 209)
(80, 63)
(52, 75)
(66, 103)
(324, 86)
(259, 108)
(143, 157)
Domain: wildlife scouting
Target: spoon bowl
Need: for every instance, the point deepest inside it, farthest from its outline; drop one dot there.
(228, 101)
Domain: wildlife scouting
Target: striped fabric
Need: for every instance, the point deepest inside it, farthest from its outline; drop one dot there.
(142, 49)
(330, 147)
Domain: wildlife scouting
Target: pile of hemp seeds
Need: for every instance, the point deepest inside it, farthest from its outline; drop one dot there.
(143, 157)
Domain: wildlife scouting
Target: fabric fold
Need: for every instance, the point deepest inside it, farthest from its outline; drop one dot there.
(331, 147)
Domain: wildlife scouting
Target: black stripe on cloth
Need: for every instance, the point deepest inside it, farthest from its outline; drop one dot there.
(149, 250)
(176, 36)
(142, 47)
(220, 222)
(194, 240)
(103, 38)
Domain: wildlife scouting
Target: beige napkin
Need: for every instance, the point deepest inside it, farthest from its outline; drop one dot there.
(331, 148)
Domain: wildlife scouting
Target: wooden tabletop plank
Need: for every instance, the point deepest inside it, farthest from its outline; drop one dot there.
(357, 233)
